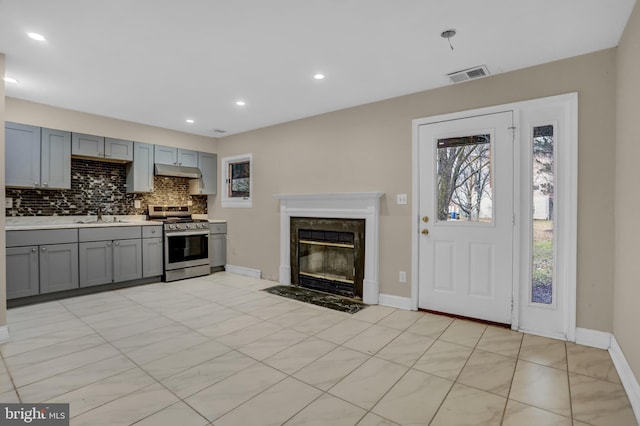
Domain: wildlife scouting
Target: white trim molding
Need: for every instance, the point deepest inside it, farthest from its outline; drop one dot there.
(344, 205)
(241, 270)
(628, 379)
(593, 338)
(4, 334)
(395, 301)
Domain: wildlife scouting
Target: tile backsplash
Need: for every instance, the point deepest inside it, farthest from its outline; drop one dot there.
(96, 183)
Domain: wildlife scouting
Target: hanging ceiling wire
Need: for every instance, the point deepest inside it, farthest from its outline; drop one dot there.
(448, 34)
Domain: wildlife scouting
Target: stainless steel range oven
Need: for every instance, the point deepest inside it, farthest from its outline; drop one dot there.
(186, 242)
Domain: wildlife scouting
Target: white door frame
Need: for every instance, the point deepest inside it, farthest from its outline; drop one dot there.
(567, 223)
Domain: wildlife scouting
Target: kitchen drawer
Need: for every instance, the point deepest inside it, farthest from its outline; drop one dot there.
(151, 231)
(37, 237)
(217, 228)
(106, 234)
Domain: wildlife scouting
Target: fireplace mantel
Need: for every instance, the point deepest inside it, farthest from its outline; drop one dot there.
(346, 205)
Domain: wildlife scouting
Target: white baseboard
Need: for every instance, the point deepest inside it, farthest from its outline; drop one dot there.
(395, 301)
(629, 381)
(4, 334)
(241, 270)
(593, 338)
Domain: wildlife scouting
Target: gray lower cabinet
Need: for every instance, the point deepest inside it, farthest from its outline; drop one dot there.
(127, 260)
(152, 257)
(96, 263)
(58, 267)
(22, 272)
(217, 244)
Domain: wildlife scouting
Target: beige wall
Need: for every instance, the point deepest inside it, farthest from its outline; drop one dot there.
(368, 148)
(26, 112)
(3, 262)
(627, 263)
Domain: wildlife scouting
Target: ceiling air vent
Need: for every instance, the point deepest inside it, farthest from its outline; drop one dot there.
(469, 74)
(220, 131)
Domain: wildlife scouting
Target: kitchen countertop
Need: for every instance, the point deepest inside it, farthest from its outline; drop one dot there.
(61, 222)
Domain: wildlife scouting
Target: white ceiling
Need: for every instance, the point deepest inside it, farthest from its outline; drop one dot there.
(160, 62)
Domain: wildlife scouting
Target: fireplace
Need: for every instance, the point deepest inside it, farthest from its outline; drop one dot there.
(328, 254)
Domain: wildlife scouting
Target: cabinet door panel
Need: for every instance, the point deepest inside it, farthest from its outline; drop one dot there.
(140, 172)
(152, 257)
(58, 267)
(117, 149)
(187, 158)
(127, 260)
(22, 272)
(22, 155)
(96, 263)
(207, 184)
(87, 145)
(165, 154)
(218, 247)
(56, 159)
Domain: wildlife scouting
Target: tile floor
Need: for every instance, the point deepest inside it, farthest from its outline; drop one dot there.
(216, 350)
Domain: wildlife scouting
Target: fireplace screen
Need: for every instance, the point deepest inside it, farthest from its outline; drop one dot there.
(330, 261)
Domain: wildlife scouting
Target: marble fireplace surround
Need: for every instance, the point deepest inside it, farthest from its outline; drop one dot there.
(344, 205)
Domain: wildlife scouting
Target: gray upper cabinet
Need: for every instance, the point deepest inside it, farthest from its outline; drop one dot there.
(140, 172)
(118, 149)
(102, 148)
(207, 184)
(37, 158)
(175, 156)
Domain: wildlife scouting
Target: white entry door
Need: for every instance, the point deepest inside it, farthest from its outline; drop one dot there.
(466, 208)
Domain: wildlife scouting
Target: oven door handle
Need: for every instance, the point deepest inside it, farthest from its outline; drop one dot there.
(181, 233)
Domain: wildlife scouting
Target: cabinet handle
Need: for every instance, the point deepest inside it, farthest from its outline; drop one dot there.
(117, 244)
(33, 250)
(153, 231)
(107, 154)
(109, 244)
(101, 154)
(35, 183)
(45, 183)
(43, 249)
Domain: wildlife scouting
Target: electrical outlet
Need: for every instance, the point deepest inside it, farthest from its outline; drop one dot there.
(402, 199)
(8, 203)
(402, 277)
(137, 204)
(189, 203)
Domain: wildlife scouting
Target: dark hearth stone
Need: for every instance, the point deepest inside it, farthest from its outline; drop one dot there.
(337, 303)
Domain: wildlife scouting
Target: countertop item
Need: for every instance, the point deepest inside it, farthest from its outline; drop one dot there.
(61, 222)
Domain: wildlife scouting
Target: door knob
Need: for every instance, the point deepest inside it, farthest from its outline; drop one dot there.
(424, 231)
(425, 219)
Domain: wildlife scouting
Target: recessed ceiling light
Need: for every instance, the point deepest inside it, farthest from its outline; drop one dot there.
(240, 103)
(36, 36)
(190, 121)
(318, 76)
(10, 80)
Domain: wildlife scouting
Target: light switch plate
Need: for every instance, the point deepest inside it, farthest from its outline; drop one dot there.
(402, 198)
(189, 203)
(137, 204)
(402, 277)
(8, 203)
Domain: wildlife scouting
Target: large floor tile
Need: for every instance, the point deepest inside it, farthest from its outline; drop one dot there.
(201, 376)
(128, 409)
(249, 334)
(518, 414)
(444, 359)
(343, 331)
(331, 368)
(542, 387)
(501, 341)
(372, 339)
(469, 406)
(328, 410)
(414, 399)
(545, 351)
(273, 406)
(228, 326)
(591, 362)
(430, 325)
(176, 414)
(299, 355)
(600, 402)
(374, 420)
(173, 364)
(406, 349)
(217, 400)
(272, 344)
(489, 372)
(465, 333)
(290, 319)
(401, 319)
(166, 347)
(373, 313)
(320, 322)
(368, 383)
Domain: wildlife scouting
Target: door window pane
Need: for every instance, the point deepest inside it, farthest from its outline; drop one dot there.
(464, 179)
(542, 201)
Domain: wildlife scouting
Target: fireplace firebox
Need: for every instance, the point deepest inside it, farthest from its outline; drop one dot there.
(328, 254)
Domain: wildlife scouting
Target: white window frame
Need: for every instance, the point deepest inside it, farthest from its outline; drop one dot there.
(234, 202)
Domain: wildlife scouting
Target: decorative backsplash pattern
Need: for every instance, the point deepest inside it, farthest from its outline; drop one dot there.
(96, 183)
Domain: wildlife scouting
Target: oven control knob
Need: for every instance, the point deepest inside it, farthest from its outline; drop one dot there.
(187, 226)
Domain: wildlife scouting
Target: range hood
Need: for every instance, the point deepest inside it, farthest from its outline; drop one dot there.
(177, 171)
